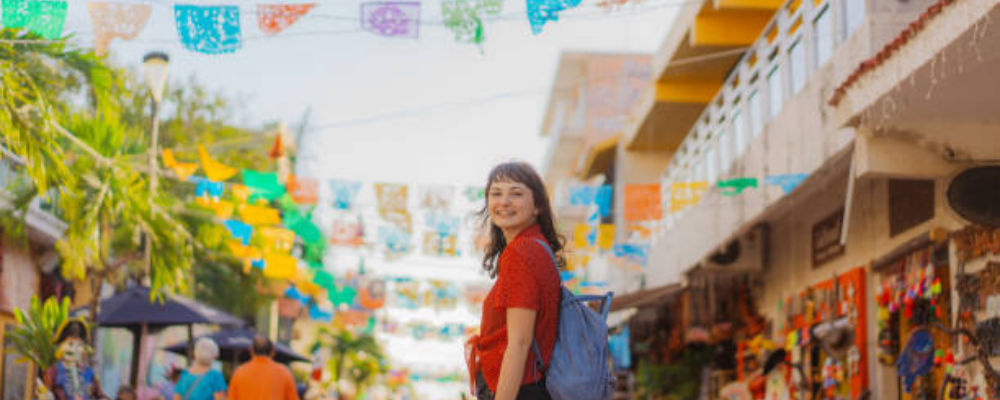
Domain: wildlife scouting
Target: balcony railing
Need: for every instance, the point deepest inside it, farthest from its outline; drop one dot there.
(799, 40)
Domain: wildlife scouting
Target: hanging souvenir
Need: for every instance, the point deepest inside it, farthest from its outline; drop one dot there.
(917, 357)
(209, 29)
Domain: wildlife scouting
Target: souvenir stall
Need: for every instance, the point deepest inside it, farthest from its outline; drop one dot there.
(977, 323)
(825, 334)
(913, 304)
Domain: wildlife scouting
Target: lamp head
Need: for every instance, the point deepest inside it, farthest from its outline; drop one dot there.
(154, 70)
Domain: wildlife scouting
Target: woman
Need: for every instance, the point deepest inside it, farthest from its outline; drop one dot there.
(523, 305)
(200, 381)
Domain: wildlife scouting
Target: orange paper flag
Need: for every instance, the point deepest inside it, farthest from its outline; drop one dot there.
(302, 190)
(214, 170)
(280, 266)
(259, 215)
(182, 169)
(642, 202)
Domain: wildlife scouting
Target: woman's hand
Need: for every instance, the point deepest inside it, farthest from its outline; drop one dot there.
(520, 333)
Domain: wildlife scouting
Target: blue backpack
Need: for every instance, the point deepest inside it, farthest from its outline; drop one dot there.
(578, 369)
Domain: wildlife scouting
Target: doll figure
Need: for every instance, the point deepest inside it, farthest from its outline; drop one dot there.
(70, 378)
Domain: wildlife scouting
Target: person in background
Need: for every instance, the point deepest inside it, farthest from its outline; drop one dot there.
(125, 392)
(262, 378)
(200, 381)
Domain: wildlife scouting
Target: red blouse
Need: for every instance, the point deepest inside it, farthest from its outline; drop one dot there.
(526, 279)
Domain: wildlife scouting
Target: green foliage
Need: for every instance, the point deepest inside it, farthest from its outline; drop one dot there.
(223, 285)
(675, 381)
(35, 330)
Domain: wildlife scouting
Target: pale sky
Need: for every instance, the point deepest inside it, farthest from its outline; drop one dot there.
(497, 95)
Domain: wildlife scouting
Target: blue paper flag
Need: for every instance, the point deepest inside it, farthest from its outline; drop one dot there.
(239, 230)
(443, 224)
(319, 315)
(542, 11)
(207, 188)
(637, 253)
(293, 293)
(592, 195)
(209, 29)
(344, 193)
(788, 182)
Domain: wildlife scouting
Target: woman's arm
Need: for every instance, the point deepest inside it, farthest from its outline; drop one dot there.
(520, 333)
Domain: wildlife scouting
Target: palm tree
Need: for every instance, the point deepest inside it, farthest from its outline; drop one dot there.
(81, 153)
(358, 359)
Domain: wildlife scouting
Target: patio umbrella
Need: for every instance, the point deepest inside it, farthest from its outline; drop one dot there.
(132, 309)
(234, 345)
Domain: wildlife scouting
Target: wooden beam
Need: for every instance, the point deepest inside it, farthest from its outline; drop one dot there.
(687, 90)
(728, 27)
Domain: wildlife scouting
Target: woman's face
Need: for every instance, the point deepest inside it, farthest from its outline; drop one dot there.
(511, 205)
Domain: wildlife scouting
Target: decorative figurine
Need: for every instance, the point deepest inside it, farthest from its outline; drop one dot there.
(70, 378)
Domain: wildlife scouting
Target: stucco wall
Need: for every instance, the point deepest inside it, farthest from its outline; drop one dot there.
(19, 279)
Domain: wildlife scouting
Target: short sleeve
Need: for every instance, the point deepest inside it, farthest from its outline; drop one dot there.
(518, 283)
(218, 382)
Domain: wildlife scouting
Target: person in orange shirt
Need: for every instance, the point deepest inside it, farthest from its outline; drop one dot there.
(262, 378)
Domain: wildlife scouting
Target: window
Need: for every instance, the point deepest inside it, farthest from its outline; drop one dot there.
(740, 140)
(797, 64)
(823, 28)
(774, 91)
(854, 15)
(756, 114)
(911, 202)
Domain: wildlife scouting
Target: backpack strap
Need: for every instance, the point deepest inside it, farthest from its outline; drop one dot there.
(539, 364)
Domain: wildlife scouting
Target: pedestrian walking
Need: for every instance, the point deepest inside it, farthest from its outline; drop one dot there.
(200, 381)
(522, 307)
(262, 378)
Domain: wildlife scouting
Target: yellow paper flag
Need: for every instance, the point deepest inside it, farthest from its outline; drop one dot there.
(280, 266)
(214, 170)
(222, 209)
(276, 240)
(606, 236)
(259, 215)
(183, 170)
(240, 193)
(580, 233)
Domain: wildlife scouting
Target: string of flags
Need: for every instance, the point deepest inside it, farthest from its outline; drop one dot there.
(217, 29)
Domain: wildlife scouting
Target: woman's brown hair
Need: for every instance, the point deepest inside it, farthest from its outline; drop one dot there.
(523, 173)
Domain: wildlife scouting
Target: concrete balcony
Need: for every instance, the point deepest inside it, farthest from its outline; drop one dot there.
(771, 117)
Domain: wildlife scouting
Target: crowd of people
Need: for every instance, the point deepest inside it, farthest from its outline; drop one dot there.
(260, 378)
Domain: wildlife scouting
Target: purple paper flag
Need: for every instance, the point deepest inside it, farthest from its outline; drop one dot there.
(391, 18)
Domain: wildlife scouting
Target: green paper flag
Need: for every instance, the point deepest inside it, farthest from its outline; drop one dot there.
(263, 185)
(306, 230)
(43, 17)
(324, 280)
(733, 187)
(342, 296)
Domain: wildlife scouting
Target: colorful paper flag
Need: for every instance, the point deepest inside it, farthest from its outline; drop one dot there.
(280, 266)
(391, 198)
(276, 240)
(239, 230)
(209, 29)
(318, 314)
(324, 280)
(686, 194)
(581, 234)
(788, 182)
(733, 187)
(214, 170)
(303, 190)
(117, 20)
(394, 239)
(259, 215)
(635, 256)
(344, 193)
(347, 231)
(274, 18)
(605, 236)
(263, 184)
(207, 189)
(307, 230)
(442, 223)
(183, 170)
(542, 11)
(391, 18)
(585, 195)
(642, 202)
(461, 17)
(438, 244)
(435, 197)
(43, 17)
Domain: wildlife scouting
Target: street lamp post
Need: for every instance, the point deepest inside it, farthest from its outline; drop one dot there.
(154, 71)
